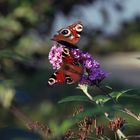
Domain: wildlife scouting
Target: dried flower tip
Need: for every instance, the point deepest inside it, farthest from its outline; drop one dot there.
(99, 130)
(37, 126)
(78, 110)
(68, 135)
(88, 120)
(82, 135)
(85, 126)
(116, 123)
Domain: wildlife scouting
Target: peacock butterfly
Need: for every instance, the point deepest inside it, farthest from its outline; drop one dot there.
(70, 71)
(70, 35)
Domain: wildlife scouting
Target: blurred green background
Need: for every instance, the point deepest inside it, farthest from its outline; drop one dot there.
(111, 34)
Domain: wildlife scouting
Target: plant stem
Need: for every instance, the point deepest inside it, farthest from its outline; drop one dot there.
(121, 135)
(84, 88)
(125, 110)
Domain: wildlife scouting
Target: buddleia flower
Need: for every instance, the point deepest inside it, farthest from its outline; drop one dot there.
(55, 56)
(93, 73)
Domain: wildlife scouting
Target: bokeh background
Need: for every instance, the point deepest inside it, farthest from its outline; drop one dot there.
(111, 34)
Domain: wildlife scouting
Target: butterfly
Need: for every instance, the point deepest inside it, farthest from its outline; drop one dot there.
(70, 71)
(70, 35)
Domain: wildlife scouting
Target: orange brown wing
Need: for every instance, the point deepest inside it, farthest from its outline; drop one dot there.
(70, 34)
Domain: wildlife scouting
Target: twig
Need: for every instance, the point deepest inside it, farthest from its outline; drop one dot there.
(135, 137)
(120, 135)
(125, 110)
(44, 130)
(20, 115)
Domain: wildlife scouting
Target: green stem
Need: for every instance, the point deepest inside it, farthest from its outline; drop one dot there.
(84, 88)
(127, 111)
(120, 135)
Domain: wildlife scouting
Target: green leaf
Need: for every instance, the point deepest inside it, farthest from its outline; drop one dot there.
(66, 124)
(74, 98)
(136, 97)
(118, 94)
(109, 87)
(101, 99)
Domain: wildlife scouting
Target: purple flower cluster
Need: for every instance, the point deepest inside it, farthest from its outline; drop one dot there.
(55, 56)
(93, 73)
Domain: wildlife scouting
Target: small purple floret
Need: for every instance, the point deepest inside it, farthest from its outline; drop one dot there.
(94, 73)
(55, 56)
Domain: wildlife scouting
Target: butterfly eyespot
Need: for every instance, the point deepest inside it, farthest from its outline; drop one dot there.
(69, 80)
(51, 81)
(79, 27)
(65, 32)
(66, 51)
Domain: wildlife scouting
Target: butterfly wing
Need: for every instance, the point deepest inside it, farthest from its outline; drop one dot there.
(71, 68)
(57, 78)
(70, 34)
(62, 77)
(73, 72)
(70, 71)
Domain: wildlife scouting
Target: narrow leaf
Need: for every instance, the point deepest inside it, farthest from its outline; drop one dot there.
(74, 98)
(118, 94)
(101, 99)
